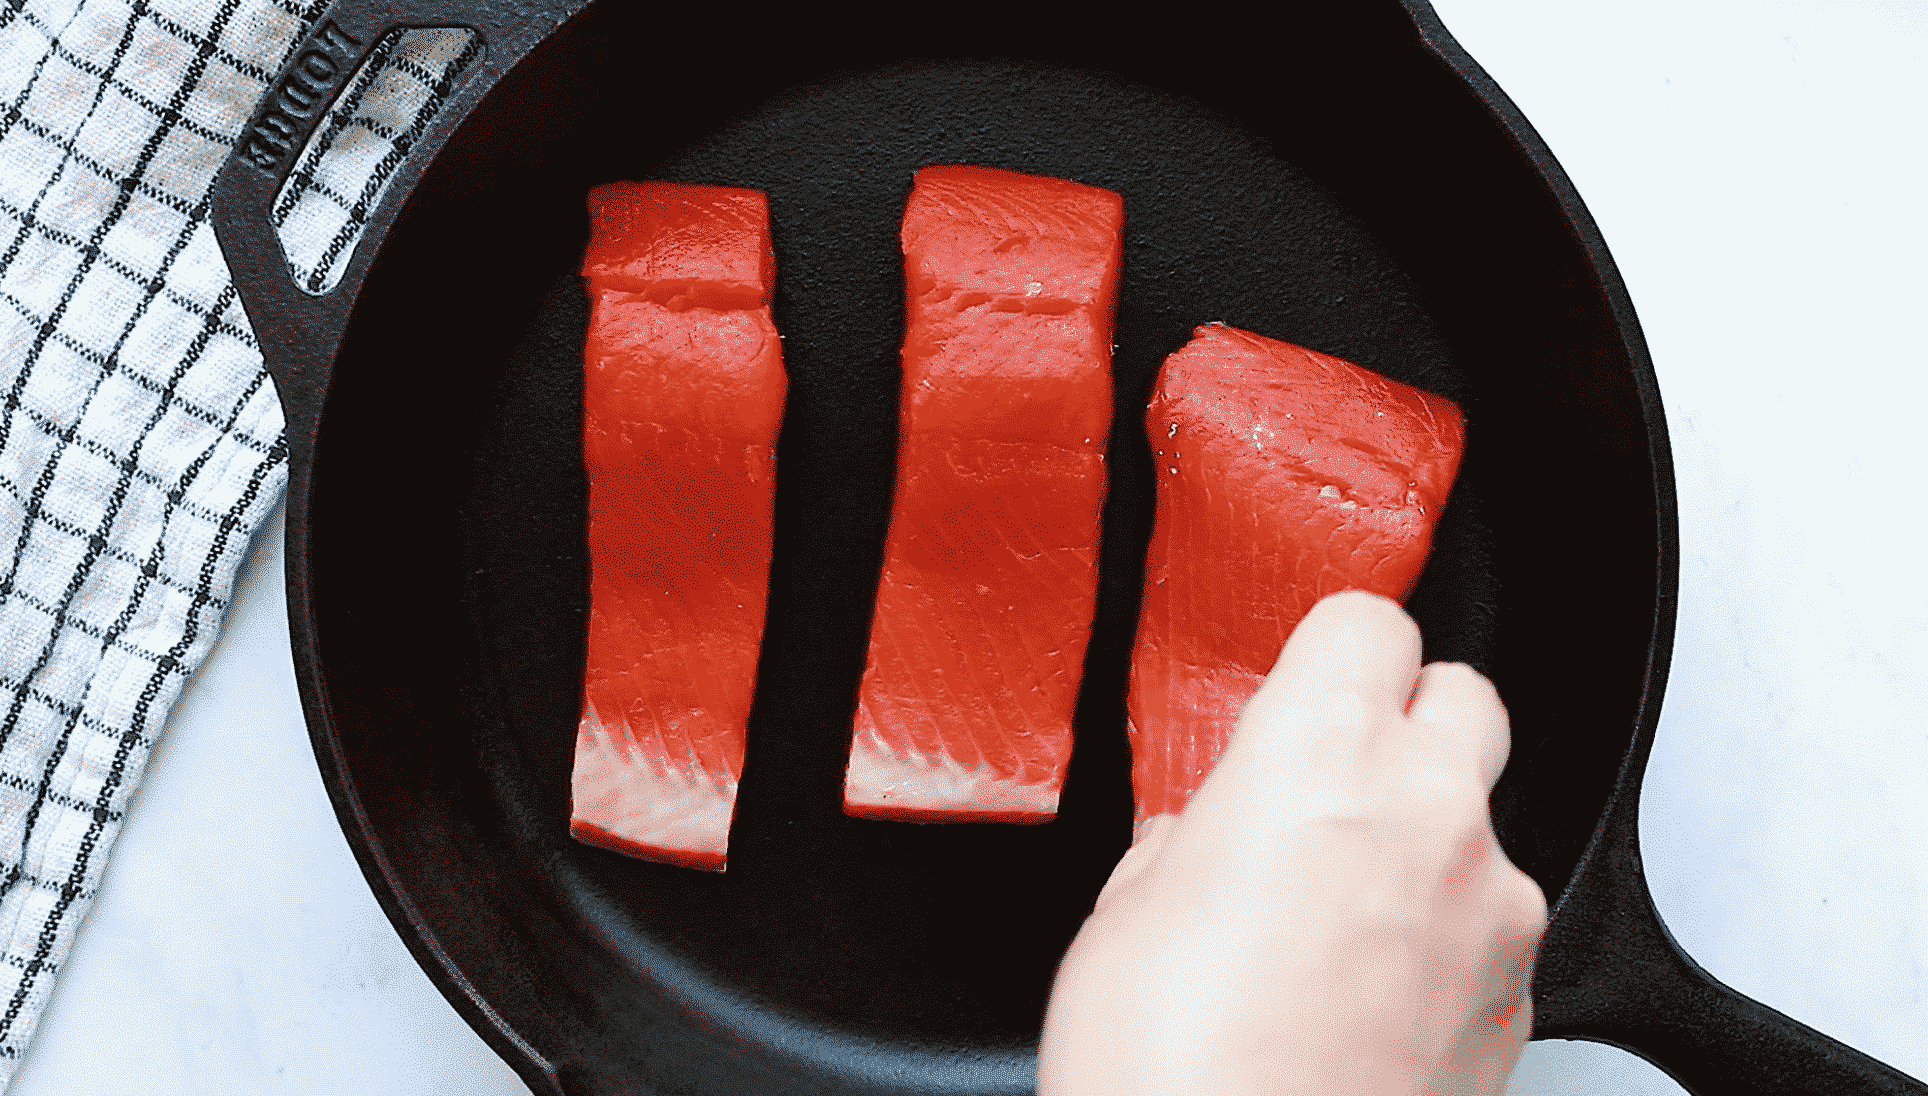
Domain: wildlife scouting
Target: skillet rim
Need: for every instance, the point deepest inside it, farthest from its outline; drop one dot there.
(1440, 43)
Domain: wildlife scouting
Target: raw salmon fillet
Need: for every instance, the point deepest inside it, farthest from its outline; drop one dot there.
(1284, 475)
(683, 395)
(990, 568)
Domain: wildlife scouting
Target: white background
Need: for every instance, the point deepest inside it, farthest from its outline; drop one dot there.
(1760, 173)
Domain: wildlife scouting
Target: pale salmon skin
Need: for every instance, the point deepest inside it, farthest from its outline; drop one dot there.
(990, 567)
(1284, 475)
(683, 396)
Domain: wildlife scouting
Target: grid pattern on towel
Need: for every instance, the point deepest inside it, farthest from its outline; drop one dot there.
(324, 205)
(140, 438)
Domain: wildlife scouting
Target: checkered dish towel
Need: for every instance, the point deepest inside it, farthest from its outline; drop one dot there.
(140, 442)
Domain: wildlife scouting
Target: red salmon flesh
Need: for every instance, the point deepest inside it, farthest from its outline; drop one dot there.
(683, 396)
(990, 567)
(1284, 475)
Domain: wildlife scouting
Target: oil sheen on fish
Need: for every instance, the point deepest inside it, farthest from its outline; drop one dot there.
(1284, 475)
(984, 611)
(683, 396)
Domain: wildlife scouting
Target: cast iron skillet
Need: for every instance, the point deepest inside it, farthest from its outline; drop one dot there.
(1357, 185)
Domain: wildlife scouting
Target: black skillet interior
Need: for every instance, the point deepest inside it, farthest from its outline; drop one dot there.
(1335, 186)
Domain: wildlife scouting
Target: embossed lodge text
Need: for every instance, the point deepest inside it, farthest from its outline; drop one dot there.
(305, 90)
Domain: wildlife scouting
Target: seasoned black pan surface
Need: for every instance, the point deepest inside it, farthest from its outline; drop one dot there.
(896, 931)
(931, 945)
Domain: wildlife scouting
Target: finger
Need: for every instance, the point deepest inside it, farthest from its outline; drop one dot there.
(1147, 842)
(1483, 1062)
(1344, 676)
(1352, 649)
(1489, 1045)
(1457, 721)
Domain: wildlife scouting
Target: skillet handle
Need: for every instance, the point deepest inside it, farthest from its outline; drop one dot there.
(1611, 972)
(300, 333)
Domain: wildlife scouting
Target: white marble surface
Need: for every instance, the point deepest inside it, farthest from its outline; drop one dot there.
(1759, 171)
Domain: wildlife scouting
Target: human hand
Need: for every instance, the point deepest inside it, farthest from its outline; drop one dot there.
(1331, 914)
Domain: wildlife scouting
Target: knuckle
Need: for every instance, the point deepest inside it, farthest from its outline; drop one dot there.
(1468, 680)
(1346, 712)
(1442, 794)
(1470, 714)
(1364, 609)
(1457, 692)
(1338, 715)
(1526, 906)
(1356, 620)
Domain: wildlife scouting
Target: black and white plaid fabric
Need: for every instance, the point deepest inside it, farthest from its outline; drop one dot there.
(140, 442)
(322, 208)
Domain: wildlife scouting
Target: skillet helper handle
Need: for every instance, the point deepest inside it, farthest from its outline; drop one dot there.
(299, 332)
(1612, 973)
